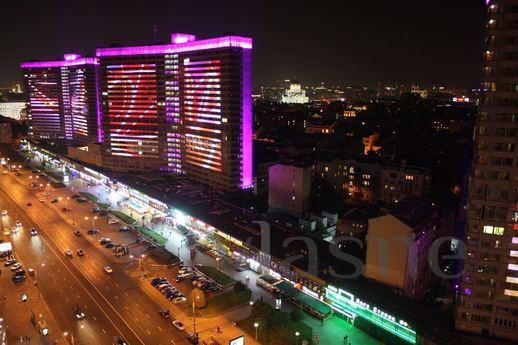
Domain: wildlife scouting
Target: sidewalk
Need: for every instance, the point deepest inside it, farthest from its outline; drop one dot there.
(333, 330)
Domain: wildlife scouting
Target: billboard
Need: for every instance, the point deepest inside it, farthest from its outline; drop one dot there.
(238, 341)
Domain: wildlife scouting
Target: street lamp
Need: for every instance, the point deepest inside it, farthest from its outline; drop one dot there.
(297, 335)
(65, 334)
(255, 326)
(194, 316)
(217, 263)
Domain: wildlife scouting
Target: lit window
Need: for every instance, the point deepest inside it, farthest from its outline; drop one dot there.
(513, 293)
(488, 229)
(498, 230)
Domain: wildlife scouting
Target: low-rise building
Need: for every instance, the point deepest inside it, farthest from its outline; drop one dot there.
(289, 187)
(398, 245)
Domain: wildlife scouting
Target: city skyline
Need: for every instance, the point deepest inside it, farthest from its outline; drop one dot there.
(358, 50)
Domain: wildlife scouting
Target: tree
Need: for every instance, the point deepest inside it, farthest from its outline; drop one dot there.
(275, 336)
(198, 297)
(261, 312)
(296, 315)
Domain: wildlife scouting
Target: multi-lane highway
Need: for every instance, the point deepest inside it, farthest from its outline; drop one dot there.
(113, 303)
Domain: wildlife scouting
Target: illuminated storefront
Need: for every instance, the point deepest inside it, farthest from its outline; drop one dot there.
(352, 307)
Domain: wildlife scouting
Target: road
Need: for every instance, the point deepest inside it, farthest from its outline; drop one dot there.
(114, 304)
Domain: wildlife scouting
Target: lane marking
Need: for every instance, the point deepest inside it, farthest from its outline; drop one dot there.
(7, 197)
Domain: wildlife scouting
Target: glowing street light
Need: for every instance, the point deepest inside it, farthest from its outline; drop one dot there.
(297, 335)
(255, 326)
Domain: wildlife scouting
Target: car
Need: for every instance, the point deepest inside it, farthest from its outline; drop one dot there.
(177, 300)
(68, 253)
(93, 231)
(164, 313)
(29, 203)
(109, 245)
(178, 279)
(7, 232)
(96, 210)
(34, 232)
(157, 281)
(75, 196)
(16, 266)
(104, 240)
(20, 272)
(179, 325)
(66, 209)
(31, 272)
(77, 233)
(123, 229)
(9, 262)
(35, 171)
(112, 221)
(108, 269)
(17, 174)
(14, 229)
(18, 279)
(80, 252)
(41, 200)
(119, 341)
(4, 212)
(103, 213)
(164, 287)
(213, 288)
(18, 224)
(192, 337)
(81, 200)
(79, 313)
(53, 201)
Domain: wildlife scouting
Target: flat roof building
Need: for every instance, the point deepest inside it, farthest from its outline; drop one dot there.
(63, 98)
(183, 107)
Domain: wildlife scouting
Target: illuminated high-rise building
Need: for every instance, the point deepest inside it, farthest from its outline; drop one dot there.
(63, 99)
(183, 107)
(488, 303)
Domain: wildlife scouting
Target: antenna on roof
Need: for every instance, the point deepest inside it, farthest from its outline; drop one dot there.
(155, 33)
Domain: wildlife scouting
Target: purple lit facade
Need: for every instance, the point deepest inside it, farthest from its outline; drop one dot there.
(183, 107)
(62, 98)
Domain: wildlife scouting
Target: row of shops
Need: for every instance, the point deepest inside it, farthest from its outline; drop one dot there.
(310, 293)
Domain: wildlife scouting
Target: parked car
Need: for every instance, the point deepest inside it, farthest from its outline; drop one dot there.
(16, 266)
(104, 240)
(112, 221)
(178, 325)
(96, 210)
(29, 203)
(68, 253)
(93, 231)
(53, 201)
(109, 245)
(80, 252)
(192, 337)
(9, 262)
(103, 213)
(31, 272)
(123, 229)
(20, 272)
(177, 300)
(18, 279)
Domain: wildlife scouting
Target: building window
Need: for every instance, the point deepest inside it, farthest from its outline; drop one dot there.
(493, 230)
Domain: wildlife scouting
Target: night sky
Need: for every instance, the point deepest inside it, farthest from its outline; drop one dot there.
(351, 42)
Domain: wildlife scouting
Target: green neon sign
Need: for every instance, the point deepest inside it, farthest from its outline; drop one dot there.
(345, 302)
